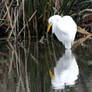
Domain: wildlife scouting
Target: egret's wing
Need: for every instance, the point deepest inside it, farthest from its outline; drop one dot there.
(62, 34)
(68, 26)
(58, 32)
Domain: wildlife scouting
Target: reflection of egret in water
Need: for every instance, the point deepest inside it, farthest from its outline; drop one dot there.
(66, 71)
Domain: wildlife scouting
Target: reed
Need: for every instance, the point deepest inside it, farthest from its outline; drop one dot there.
(26, 19)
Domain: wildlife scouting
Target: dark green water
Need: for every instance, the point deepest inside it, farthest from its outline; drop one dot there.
(25, 68)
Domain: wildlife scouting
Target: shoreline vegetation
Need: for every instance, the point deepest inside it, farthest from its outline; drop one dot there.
(28, 19)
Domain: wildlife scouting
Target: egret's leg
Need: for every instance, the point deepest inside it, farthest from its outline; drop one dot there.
(78, 42)
(67, 44)
(83, 31)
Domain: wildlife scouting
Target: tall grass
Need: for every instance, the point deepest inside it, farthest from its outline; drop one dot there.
(25, 19)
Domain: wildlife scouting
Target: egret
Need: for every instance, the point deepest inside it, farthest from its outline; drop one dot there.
(64, 28)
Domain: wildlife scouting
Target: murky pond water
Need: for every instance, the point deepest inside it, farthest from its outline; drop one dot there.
(45, 67)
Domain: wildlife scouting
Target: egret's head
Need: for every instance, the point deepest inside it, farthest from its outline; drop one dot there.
(53, 19)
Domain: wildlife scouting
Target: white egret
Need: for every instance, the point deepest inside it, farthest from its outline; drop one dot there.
(64, 28)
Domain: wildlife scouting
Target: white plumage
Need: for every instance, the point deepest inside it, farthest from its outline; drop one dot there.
(64, 28)
(66, 71)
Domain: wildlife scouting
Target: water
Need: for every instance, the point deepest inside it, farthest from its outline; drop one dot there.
(25, 68)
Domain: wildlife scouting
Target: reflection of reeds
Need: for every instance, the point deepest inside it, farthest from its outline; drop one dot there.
(26, 73)
(18, 69)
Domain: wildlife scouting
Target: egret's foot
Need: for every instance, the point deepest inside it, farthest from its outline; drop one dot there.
(51, 74)
(80, 41)
(83, 31)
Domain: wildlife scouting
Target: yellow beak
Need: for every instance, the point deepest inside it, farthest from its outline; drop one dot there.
(49, 26)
